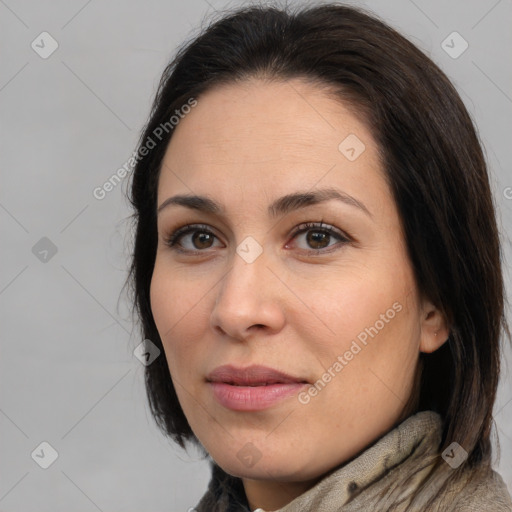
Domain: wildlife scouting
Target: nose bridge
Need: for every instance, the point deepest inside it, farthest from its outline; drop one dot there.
(245, 278)
(246, 296)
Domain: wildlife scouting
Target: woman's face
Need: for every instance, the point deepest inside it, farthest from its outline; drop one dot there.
(257, 281)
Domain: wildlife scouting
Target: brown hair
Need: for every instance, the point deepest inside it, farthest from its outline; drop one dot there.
(433, 163)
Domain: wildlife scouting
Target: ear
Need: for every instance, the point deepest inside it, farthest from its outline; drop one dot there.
(434, 328)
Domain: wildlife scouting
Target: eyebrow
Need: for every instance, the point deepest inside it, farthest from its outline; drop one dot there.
(279, 207)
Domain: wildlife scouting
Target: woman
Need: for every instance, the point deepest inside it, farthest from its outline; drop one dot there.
(316, 255)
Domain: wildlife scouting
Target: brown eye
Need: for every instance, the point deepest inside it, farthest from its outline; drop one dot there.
(318, 239)
(191, 238)
(202, 240)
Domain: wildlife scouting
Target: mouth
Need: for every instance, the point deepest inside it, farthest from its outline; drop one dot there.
(253, 388)
(251, 376)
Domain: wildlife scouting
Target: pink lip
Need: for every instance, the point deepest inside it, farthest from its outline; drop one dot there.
(253, 388)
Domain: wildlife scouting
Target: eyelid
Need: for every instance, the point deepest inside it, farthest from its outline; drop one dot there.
(320, 226)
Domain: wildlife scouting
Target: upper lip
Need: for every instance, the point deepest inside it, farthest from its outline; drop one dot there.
(255, 375)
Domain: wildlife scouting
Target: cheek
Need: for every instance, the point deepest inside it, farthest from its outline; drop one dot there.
(177, 305)
(366, 367)
(373, 352)
(361, 304)
(172, 297)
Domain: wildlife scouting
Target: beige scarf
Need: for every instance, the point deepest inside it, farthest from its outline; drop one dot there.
(387, 476)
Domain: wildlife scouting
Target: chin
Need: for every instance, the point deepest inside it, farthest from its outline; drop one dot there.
(280, 470)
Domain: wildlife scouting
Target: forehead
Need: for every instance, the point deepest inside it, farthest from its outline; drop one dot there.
(263, 135)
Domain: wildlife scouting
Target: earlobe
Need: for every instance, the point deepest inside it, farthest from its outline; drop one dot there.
(434, 330)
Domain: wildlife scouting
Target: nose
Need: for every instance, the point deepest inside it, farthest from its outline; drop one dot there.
(248, 301)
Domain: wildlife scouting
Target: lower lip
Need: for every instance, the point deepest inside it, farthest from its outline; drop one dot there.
(253, 398)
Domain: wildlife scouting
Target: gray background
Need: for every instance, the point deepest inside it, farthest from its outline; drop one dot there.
(68, 122)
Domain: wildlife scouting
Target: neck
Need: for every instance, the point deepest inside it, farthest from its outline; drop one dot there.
(272, 495)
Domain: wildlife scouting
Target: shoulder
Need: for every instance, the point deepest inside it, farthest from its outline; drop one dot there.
(483, 491)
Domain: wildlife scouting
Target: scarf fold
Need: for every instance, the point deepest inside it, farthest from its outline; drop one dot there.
(387, 476)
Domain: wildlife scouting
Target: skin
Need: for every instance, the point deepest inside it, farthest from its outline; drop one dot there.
(245, 145)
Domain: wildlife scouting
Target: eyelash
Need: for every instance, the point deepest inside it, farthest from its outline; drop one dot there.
(173, 239)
